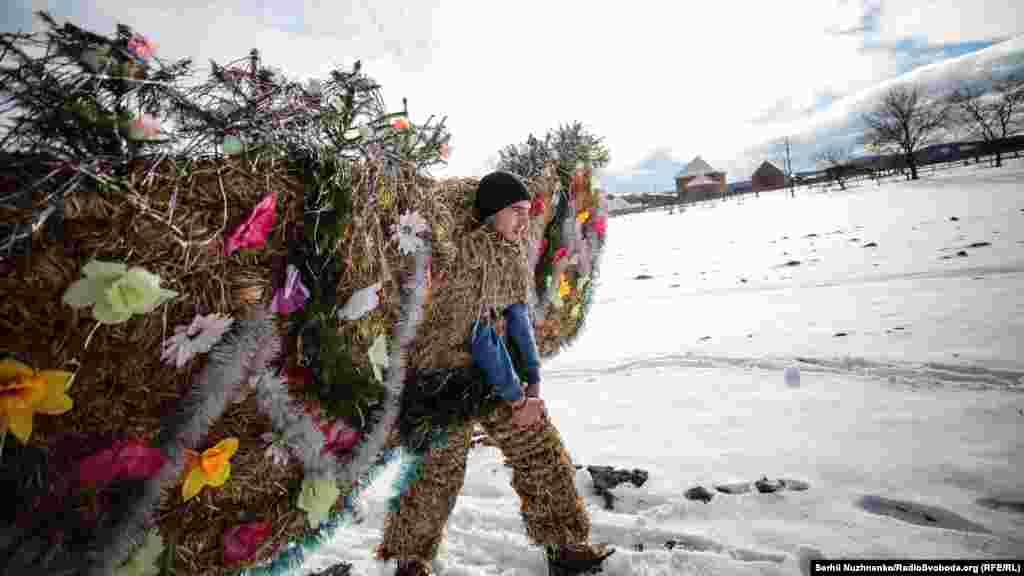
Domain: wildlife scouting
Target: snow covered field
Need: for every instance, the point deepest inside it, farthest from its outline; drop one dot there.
(921, 401)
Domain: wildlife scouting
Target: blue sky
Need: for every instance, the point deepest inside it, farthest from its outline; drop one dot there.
(679, 79)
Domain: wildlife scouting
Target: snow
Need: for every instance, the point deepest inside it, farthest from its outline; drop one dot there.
(920, 402)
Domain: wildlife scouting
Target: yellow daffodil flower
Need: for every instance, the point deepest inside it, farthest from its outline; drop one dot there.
(211, 468)
(582, 217)
(25, 392)
(563, 288)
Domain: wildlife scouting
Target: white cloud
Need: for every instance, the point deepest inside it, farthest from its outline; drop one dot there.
(952, 21)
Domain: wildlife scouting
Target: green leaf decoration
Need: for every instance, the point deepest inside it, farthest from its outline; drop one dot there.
(144, 562)
(317, 497)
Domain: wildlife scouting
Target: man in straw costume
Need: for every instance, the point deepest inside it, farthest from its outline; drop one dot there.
(493, 273)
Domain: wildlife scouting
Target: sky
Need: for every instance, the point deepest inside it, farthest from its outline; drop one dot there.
(651, 77)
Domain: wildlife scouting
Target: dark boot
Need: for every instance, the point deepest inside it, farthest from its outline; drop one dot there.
(413, 568)
(577, 559)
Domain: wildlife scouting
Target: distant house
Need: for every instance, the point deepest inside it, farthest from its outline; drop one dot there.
(767, 177)
(699, 181)
(740, 187)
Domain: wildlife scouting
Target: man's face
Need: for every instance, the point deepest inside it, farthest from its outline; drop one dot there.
(512, 220)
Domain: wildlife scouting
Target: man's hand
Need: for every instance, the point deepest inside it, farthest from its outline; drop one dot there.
(528, 413)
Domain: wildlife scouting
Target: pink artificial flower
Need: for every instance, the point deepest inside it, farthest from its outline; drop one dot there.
(444, 151)
(400, 123)
(125, 459)
(292, 296)
(253, 232)
(145, 127)
(243, 541)
(559, 254)
(600, 225)
(141, 48)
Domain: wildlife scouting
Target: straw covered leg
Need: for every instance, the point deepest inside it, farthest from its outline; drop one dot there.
(544, 479)
(542, 476)
(414, 532)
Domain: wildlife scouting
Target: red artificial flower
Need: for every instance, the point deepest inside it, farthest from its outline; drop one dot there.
(339, 437)
(125, 459)
(559, 254)
(253, 232)
(600, 225)
(537, 206)
(243, 541)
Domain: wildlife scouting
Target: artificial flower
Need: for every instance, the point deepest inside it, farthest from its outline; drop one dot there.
(126, 459)
(563, 287)
(379, 356)
(292, 296)
(400, 123)
(276, 451)
(361, 303)
(144, 127)
(25, 392)
(253, 232)
(559, 254)
(536, 206)
(406, 232)
(444, 151)
(211, 468)
(116, 292)
(243, 541)
(583, 216)
(145, 560)
(199, 337)
(338, 437)
(232, 145)
(600, 225)
(317, 498)
(141, 48)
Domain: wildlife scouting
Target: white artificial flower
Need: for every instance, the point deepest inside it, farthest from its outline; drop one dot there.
(379, 356)
(361, 303)
(199, 337)
(410, 226)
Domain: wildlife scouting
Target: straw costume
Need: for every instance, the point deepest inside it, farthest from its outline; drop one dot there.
(492, 276)
(227, 305)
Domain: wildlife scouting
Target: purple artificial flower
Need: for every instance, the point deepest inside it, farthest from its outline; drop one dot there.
(292, 296)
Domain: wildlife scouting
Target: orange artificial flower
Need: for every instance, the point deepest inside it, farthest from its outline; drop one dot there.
(582, 217)
(25, 392)
(400, 123)
(211, 468)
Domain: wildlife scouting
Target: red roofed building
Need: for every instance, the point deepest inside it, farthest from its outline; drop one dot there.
(699, 181)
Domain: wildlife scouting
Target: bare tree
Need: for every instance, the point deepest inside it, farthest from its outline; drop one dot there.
(906, 122)
(835, 159)
(991, 115)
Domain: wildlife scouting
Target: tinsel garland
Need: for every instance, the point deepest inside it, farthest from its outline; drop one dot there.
(294, 554)
(411, 468)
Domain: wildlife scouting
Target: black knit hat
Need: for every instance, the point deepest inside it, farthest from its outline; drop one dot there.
(497, 191)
